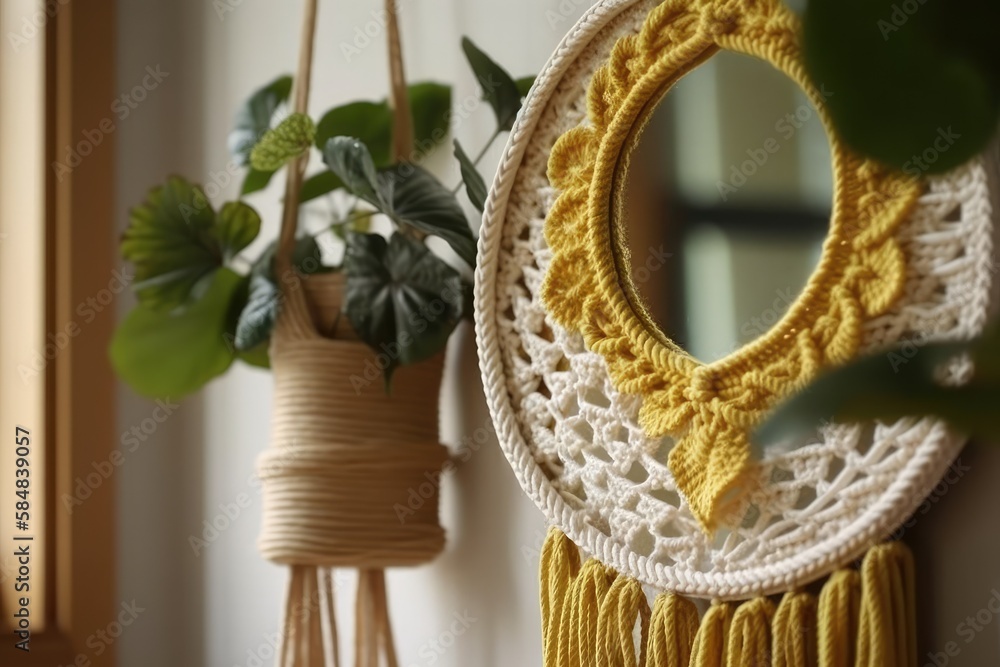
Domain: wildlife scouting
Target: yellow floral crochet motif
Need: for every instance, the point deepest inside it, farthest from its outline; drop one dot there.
(710, 408)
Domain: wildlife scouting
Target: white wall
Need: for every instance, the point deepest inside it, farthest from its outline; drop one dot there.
(219, 608)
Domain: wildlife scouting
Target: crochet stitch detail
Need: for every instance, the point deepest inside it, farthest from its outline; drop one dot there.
(710, 408)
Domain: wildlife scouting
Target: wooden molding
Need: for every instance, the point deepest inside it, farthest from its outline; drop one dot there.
(81, 595)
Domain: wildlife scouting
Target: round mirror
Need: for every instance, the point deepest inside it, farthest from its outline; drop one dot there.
(726, 204)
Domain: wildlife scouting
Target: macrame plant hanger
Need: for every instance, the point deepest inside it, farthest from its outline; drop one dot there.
(336, 463)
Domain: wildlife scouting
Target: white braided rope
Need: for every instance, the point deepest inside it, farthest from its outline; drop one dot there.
(575, 443)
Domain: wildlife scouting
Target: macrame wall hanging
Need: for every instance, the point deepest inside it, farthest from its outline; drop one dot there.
(337, 466)
(638, 453)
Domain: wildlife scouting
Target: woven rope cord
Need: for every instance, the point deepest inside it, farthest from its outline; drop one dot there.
(524, 356)
(869, 615)
(711, 406)
(347, 459)
(351, 478)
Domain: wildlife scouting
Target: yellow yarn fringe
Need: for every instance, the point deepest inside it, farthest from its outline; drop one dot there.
(591, 616)
(710, 408)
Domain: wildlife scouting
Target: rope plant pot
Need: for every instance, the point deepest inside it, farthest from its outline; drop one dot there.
(352, 473)
(345, 456)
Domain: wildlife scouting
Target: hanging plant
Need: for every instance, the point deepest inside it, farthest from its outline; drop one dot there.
(202, 303)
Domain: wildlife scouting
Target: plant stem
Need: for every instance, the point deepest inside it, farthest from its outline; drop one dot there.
(482, 153)
(479, 157)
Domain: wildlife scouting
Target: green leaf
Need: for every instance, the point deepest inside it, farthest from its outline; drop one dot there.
(917, 90)
(475, 187)
(408, 194)
(499, 89)
(357, 221)
(430, 106)
(351, 161)
(176, 242)
(162, 354)
(401, 299)
(254, 118)
(468, 300)
(259, 357)
(420, 200)
(319, 184)
(371, 122)
(896, 383)
(524, 84)
(256, 320)
(238, 225)
(290, 139)
(986, 354)
(255, 180)
(258, 317)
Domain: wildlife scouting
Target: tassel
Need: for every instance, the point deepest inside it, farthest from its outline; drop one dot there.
(623, 606)
(750, 635)
(887, 634)
(560, 563)
(672, 629)
(590, 615)
(593, 586)
(794, 631)
(711, 642)
(308, 607)
(839, 607)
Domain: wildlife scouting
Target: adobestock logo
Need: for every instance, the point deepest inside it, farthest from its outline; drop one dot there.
(786, 127)
(900, 14)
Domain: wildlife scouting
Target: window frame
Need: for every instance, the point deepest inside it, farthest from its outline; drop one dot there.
(80, 388)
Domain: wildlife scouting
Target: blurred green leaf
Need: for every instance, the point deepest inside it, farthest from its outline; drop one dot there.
(986, 354)
(258, 357)
(919, 86)
(371, 122)
(255, 180)
(357, 221)
(401, 299)
(176, 242)
(475, 187)
(430, 106)
(238, 225)
(499, 89)
(164, 354)
(351, 161)
(895, 383)
(319, 184)
(524, 84)
(253, 119)
(258, 317)
(290, 139)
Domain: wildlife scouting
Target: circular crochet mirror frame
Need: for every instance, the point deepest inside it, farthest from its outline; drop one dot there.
(592, 403)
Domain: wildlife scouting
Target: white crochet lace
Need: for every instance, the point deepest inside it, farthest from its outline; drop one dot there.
(576, 442)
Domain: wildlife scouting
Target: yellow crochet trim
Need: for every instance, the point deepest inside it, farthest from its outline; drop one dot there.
(710, 408)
